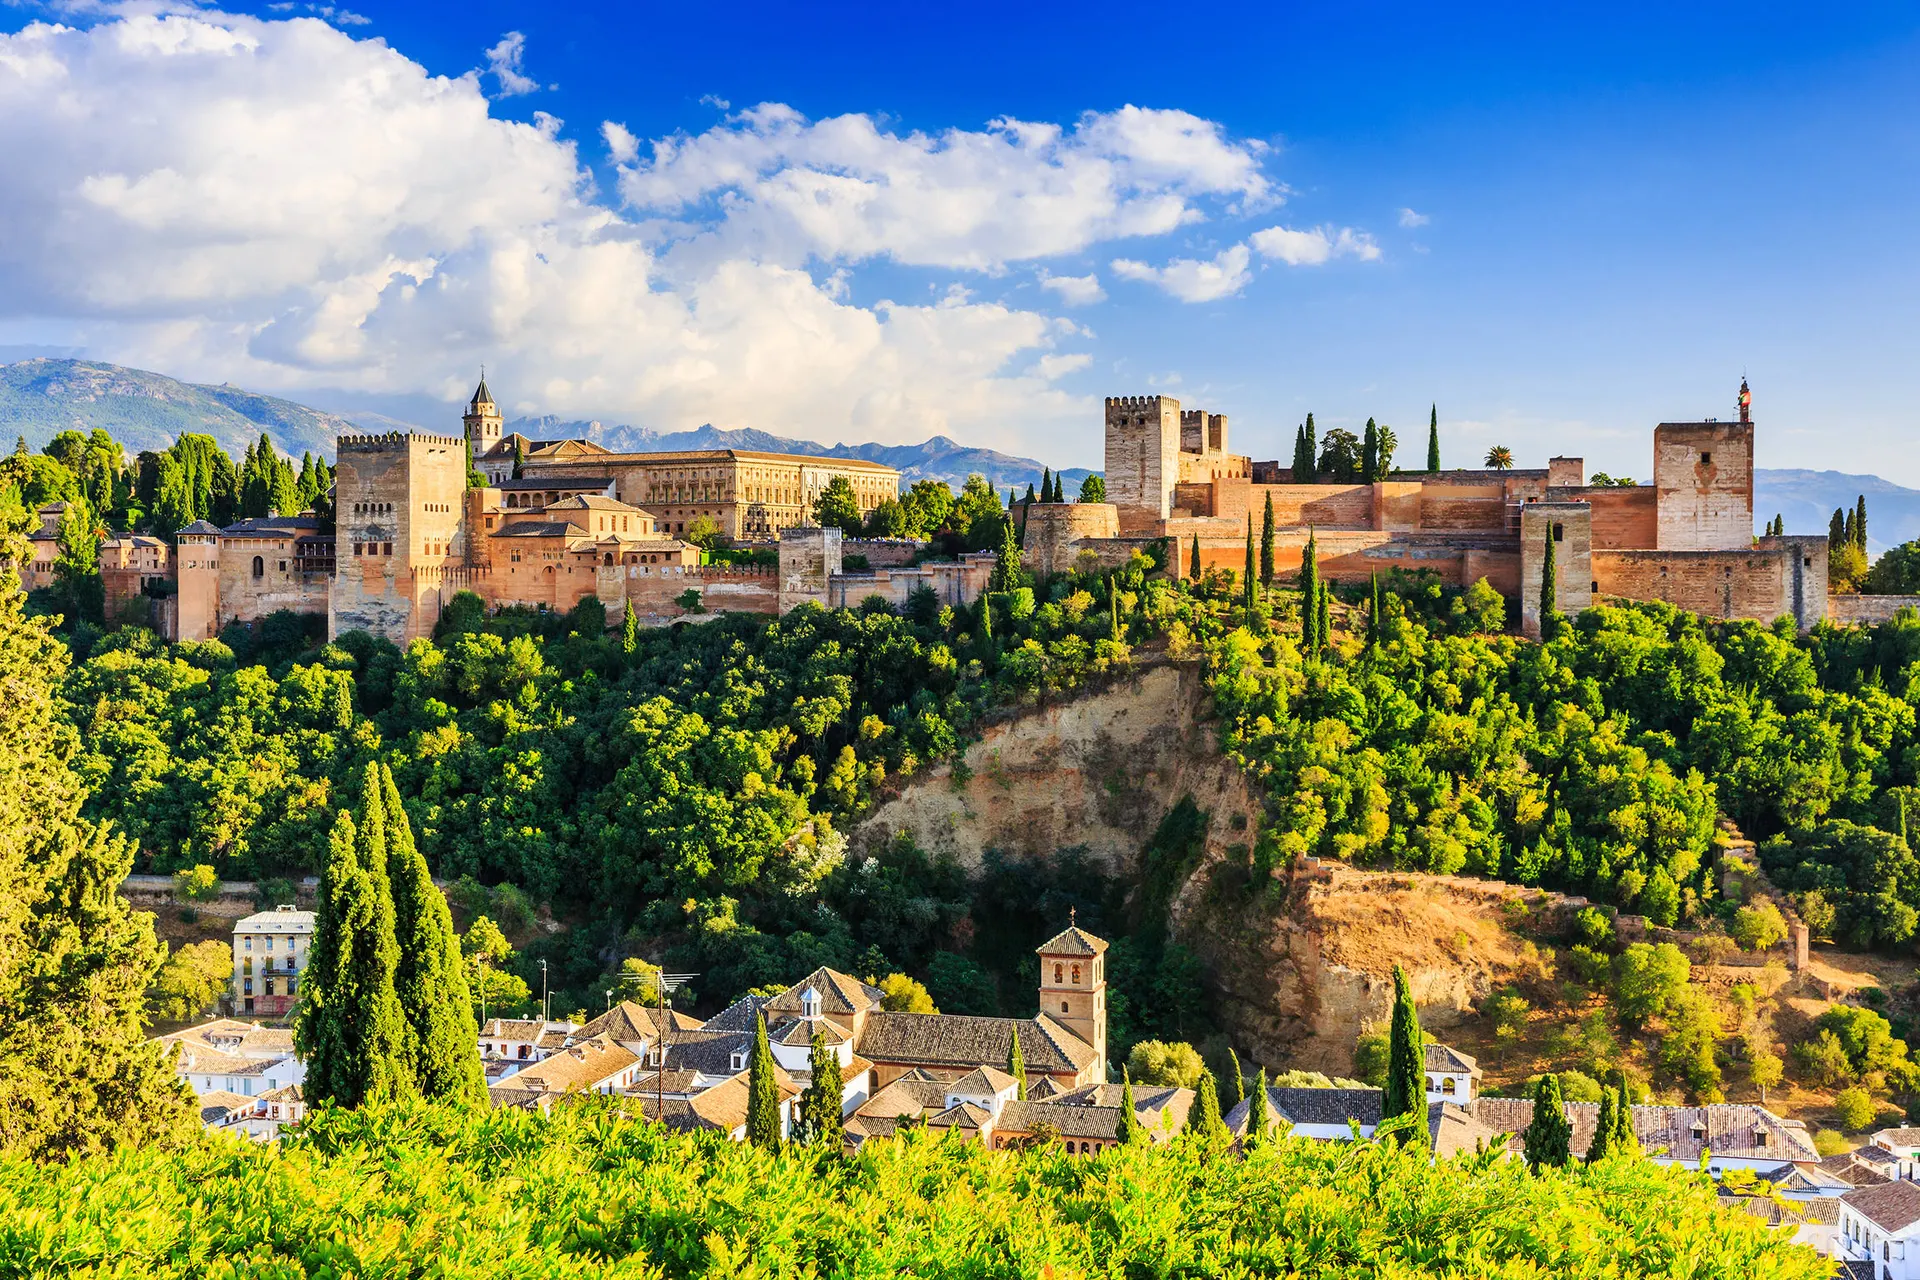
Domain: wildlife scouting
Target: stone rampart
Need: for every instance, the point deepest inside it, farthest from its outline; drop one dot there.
(953, 583)
(1851, 610)
(1764, 581)
(1056, 531)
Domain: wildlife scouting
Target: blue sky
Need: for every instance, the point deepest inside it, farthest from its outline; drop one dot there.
(1562, 228)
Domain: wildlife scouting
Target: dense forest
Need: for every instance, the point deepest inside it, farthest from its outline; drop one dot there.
(505, 1193)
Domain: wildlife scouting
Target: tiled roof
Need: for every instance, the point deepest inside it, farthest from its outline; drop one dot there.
(1905, 1136)
(263, 526)
(1160, 1108)
(527, 1029)
(276, 921)
(962, 1115)
(1851, 1171)
(839, 994)
(981, 1081)
(1735, 1130)
(706, 1051)
(1068, 1122)
(581, 1066)
(944, 1039)
(219, 1104)
(592, 502)
(628, 1021)
(1072, 941)
(673, 1082)
(1042, 1089)
(1440, 1058)
(737, 1016)
(538, 529)
(535, 483)
(1776, 1212)
(1893, 1207)
(904, 1097)
(200, 528)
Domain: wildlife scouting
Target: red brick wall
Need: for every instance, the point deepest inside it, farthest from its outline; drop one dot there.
(1623, 518)
(1463, 508)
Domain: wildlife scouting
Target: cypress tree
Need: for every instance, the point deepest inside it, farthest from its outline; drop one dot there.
(1373, 613)
(1849, 531)
(1837, 528)
(1017, 1066)
(1299, 449)
(1406, 1092)
(519, 457)
(1860, 523)
(1605, 1128)
(1433, 438)
(1059, 489)
(1113, 607)
(1193, 570)
(1249, 591)
(1046, 486)
(1129, 1131)
(1257, 1111)
(1323, 625)
(1370, 454)
(1310, 638)
(629, 631)
(1204, 1117)
(1006, 567)
(77, 1074)
(1239, 1081)
(1313, 451)
(1625, 1141)
(1266, 544)
(820, 1106)
(430, 979)
(1031, 497)
(986, 619)
(763, 1091)
(1549, 575)
(1549, 1136)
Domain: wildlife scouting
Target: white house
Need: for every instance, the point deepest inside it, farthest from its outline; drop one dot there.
(1904, 1144)
(1881, 1226)
(230, 1056)
(1452, 1076)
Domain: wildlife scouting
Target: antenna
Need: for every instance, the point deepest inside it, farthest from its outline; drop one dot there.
(663, 983)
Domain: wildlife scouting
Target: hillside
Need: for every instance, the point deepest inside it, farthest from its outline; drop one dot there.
(1807, 499)
(142, 410)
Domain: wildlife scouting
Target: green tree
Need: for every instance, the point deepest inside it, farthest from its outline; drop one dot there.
(1311, 453)
(1765, 1071)
(1094, 488)
(190, 981)
(1549, 1135)
(1758, 927)
(1311, 641)
(1239, 1081)
(1007, 573)
(1549, 589)
(1129, 1130)
(1406, 1090)
(1257, 1111)
(1860, 523)
(493, 989)
(1373, 612)
(1203, 1119)
(1266, 543)
(198, 883)
(1647, 981)
(1370, 454)
(430, 979)
(1433, 438)
(79, 590)
(1250, 584)
(763, 1091)
(629, 632)
(76, 1073)
(901, 994)
(1193, 567)
(519, 457)
(1017, 1066)
(1339, 456)
(1500, 458)
(704, 532)
(838, 507)
(1853, 1107)
(1171, 1065)
(1605, 1127)
(822, 1103)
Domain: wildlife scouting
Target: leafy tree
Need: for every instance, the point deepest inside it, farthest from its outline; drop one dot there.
(1605, 1127)
(1433, 438)
(190, 981)
(430, 980)
(1093, 488)
(197, 883)
(889, 519)
(1549, 589)
(1174, 1065)
(1339, 459)
(1310, 453)
(1869, 877)
(1549, 1135)
(1370, 454)
(629, 631)
(927, 506)
(763, 1091)
(1130, 1132)
(1406, 1088)
(1867, 1039)
(79, 592)
(492, 987)
(1499, 458)
(1204, 1119)
(1764, 1070)
(1854, 1108)
(1860, 523)
(838, 507)
(1250, 584)
(1193, 568)
(821, 1105)
(1687, 1049)
(1758, 927)
(1895, 573)
(1386, 442)
(1506, 1012)
(76, 1074)
(1007, 573)
(705, 532)
(1017, 1066)
(1311, 639)
(1647, 981)
(901, 994)
(1823, 1058)
(1830, 1142)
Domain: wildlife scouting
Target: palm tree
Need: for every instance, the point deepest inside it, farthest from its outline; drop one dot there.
(1500, 458)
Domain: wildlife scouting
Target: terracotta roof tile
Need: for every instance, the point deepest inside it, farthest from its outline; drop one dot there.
(1893, 1207)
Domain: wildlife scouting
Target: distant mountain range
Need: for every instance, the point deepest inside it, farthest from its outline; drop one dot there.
(41, 397)
(937, 459)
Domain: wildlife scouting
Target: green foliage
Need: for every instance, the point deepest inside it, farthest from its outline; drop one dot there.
(1758, 927)
(1600, 1146)
(1687, 1048)
(1093, 488)
(197, 883)
(1406, 1087)
(495, 991)
(1869, 877)
(1433, 439)
(960, 985)
(190, 981)
(1131, 1132)
(1647, 981)
(1549, 1135)
(1506, 1012)
(1257, 1111)
(1017, 1066)
(838, 507)
(820, 1119)
(1854, 1108)
(1372, 1052)
(1203, 1119)
(1830, 1142)
(901, 994)
(763, 1091)
(1868, 1041)
(1823, 1058)
(1895, 573)
(1174, 1065)
(1594, 927)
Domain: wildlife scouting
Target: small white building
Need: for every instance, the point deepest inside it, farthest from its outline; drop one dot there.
(1452, 1076)
(1904, 1144)
(270, 953)
(1881, 1226)
(228, 1056)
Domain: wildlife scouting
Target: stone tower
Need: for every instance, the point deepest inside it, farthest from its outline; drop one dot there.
(197, 576)
(1143, 457)
(399, 519)
(482, 419)
(1073, 986)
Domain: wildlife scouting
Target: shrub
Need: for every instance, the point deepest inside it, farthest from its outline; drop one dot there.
(689, 601)
(1854, 1108)
(1159, 1063)
(1823, 1059)
(1594, 927)
(1830, 1142)
(901, 994)
(1759, 927)
(196, 884)
(1647, 979)
(190, 980)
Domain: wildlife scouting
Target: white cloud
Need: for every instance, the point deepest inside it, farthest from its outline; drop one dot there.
(1314, 246)
(622, 146)
(1408, 218)
(1074, 291)
(1190, 279)
(845, 190)
(504, 61)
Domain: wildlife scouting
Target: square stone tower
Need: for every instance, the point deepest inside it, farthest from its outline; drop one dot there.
(400, 520)
(1703, 483)
(1570, 526)
(1142, 458)
(1073, 986)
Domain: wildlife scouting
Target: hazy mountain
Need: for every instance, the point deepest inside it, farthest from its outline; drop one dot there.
(42, 397)
(937, 459)
(1807, 500)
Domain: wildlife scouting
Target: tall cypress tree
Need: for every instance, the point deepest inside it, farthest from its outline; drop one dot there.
(1193, 569)
(629, 631)
(1605, 1128)
(1204, 1116)
(1239, 1081)
(1549, 585)
(77, 1074)
(1849, 531)
(1129, 1130)
(1860, 523)
(1310, 639)
(821, 1105)
(1373, 613)
(1046, 486)
(1250, 591)
(1017, 1066)
(519, 457)
(1257, 1111)
(1406, 1092)
(1837, 528)
(1299, 446)
(1313, 453)
(763, 1091)
(1370, 454)
(1323, 616)
(1266, 544)
(1549, 1137)
(1114, 631)
(430, 979)
(1433, 438)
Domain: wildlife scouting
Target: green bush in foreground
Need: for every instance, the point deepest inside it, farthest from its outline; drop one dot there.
(419, 1190)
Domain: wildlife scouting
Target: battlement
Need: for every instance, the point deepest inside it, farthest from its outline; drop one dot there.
(387, 440)
(1137, 402)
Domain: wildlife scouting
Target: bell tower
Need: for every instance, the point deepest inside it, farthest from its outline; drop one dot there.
(1073, 986)
(482, 419)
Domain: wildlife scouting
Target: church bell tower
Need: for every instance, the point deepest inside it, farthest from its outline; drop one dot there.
(482, 419)
(1073, 987)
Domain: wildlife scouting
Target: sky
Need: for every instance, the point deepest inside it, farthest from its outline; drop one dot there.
(881, 223)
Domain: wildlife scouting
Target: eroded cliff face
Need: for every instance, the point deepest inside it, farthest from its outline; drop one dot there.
(1097, 772)
(1297, 969)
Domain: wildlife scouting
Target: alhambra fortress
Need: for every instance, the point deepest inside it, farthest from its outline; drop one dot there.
(558, 521)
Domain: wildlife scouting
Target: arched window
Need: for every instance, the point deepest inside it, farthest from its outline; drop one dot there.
(609, 559)
(1063, 1006)
(1076, 975)
(259, 567)
(1059, 973)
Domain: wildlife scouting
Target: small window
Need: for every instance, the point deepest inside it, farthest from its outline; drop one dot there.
(259, 567)
(386, 548)
(1594, 586)
(1559, 532)
(1063, 1006)
(1059, 973)
(1706, 459)
(1076, 975)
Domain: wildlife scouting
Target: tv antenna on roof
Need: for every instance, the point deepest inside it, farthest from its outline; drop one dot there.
(663, 983)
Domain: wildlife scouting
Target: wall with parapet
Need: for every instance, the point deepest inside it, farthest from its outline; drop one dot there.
(809, 557)
(1703, 473)
(953, 583)
(1056, 532)
(1868, 611)
(1778, 576)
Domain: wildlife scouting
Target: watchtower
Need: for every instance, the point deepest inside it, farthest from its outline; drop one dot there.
(197, 577)
(1143, 457)
(482, 419)
(1073, 986)
(400, 521)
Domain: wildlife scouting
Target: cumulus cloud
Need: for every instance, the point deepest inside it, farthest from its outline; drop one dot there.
(1191, 279)
(1314, 246)
(1074, 291)
(504, 61)
(1408, 218)
(622, 146)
